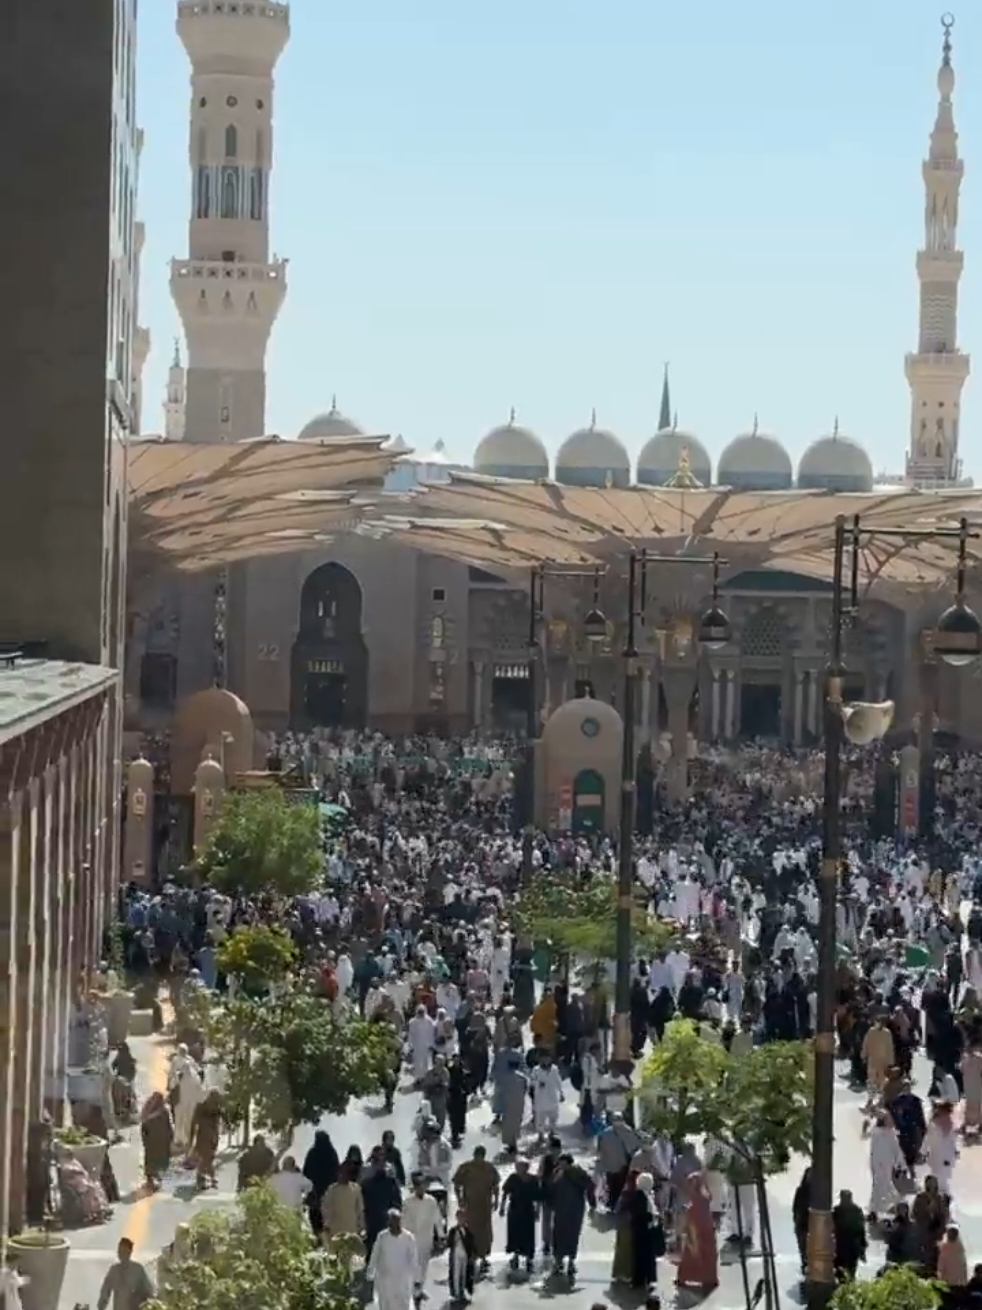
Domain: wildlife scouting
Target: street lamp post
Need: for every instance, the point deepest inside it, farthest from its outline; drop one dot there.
(714, 632)
(537, 580)
(957, 641)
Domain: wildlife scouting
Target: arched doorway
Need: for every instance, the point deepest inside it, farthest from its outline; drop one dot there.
(588, 801)
(329, 670)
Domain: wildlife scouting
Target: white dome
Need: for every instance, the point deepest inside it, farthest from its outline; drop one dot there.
(754, 461)
(661, 455)
(835, 463)
(593, 457)
(511, 451)
(333, 424)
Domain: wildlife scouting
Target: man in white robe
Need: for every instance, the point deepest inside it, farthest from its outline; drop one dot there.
(885, 1159)
(421, 1216)
(393, 1266)
(421, 1035)
(547, 1092)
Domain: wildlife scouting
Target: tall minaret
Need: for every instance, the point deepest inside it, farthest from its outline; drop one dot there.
(229, 291)
(141, 335)
(937, 372)
(175, 401)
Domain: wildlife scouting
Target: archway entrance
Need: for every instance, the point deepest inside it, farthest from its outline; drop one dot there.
(510, 692)
(588, 801)
(329, 669)
(760, 710)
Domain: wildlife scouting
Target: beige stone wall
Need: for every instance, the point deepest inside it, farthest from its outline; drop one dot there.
(57, 847)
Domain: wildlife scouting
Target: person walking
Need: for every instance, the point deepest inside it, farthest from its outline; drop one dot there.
(393, 1266)
(127, 1284)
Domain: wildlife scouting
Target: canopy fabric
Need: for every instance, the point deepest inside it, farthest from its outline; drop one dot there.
(200, 506)
(505, 524)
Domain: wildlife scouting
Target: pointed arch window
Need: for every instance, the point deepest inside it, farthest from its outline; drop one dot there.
(230, 192)
(231, 142)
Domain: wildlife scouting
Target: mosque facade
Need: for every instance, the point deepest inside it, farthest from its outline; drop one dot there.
(368, 632)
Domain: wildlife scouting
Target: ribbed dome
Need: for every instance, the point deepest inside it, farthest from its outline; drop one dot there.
(511, 451)
(593, 457)
(332, 424)
(835, 463)
(755, 462)
(660, 457)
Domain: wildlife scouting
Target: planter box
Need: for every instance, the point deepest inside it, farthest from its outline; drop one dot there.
(141, 1023)
(85, 1085)
(91, 1157)
(119, 1006)
(43, 1262)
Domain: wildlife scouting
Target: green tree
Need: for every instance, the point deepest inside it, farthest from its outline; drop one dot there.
(898, 1288)
(758, 1104)
(258, 955)
(261, 843)
(577, 916)
(258, 1256)
(292, 1060)
(680, 1079)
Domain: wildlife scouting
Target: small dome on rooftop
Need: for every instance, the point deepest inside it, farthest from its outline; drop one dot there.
(511, 451)
(593, 457)
(835, 463)
(662, 455)
(333, 424)
(754, 461)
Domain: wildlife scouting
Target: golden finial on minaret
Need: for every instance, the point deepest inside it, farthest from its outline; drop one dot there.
(947, 23)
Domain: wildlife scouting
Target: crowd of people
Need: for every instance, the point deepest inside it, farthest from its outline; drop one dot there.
(413, 926)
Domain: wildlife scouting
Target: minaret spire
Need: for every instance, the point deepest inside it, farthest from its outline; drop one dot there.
(937, 372)
(229, 289)
(175, 401)
(665, 415)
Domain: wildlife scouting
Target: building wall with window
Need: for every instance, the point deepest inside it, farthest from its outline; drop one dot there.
(66, 372)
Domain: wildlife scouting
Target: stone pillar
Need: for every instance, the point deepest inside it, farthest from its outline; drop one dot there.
(731, 706)
(61, 885)
(799, 705)
(478, 694)
(714, 728)
(910, 791)
(23, 946)
(138, 847)
(209, 789)
(678, 684)
(814, 678)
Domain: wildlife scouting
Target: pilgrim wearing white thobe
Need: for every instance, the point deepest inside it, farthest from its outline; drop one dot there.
(547, 1091)
(190, 1094)
(344, 974)
(884, 1158)
(421, 1032)
(421, 1217)
(941, 1148)
(392, 1268)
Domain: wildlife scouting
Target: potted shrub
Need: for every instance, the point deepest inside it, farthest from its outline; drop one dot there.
(88, 1150)
(41, 1257)
(119, 1003)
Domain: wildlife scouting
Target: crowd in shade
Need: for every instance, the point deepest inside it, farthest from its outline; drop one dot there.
(413, 926)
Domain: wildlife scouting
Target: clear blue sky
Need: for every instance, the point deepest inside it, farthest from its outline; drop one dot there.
(489, 203)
